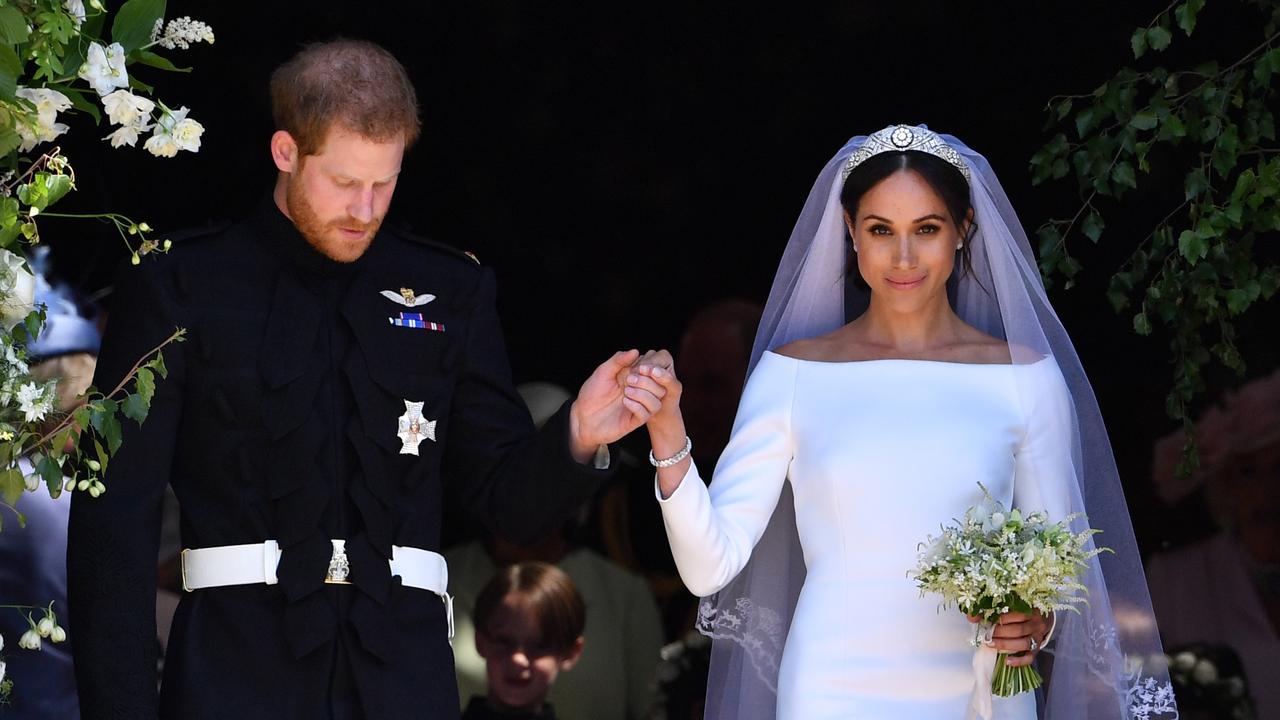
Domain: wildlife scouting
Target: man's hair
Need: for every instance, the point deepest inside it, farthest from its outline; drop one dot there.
(547, 590)
(354, 84)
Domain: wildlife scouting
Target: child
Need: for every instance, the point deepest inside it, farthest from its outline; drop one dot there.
(529, 621)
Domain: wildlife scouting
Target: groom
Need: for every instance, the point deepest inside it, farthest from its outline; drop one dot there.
(337, 375)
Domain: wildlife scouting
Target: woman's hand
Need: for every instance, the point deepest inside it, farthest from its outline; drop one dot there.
(1013, 633)
(655, 375)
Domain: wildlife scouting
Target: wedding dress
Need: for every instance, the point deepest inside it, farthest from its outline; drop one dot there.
(879, 454)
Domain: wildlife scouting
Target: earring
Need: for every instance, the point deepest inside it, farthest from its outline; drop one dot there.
(855, 247)
(960, 246)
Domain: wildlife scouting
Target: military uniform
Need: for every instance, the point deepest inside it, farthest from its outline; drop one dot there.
(284, 418)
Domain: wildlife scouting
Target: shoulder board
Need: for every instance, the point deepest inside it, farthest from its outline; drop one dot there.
(463, 255)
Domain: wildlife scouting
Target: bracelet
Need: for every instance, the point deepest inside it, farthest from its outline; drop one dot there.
(684, 453)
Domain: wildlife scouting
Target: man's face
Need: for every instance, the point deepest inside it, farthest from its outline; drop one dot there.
(338, 197)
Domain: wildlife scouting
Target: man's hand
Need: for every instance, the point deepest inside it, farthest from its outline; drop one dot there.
(610, 405)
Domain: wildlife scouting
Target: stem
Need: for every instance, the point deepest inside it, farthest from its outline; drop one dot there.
(128, 376)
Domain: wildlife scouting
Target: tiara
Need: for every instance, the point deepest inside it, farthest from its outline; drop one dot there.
(900, 138)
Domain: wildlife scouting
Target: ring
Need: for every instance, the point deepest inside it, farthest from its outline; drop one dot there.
(1034, 645)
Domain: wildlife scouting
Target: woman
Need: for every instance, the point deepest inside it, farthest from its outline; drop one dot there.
(854, 441)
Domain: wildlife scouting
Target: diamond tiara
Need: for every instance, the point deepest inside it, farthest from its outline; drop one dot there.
(900, 138)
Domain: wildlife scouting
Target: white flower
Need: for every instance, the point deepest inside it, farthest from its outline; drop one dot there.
(187, 134)
(48, 104)
(32, 401)
(59, 634)
(2, 668)
(104, 70)
(126, 135)
(1184, 661)
(30, 640)
(162, 144)
(17, 289)
(45, 626)
(1205, 673)
(181, 33)
(33, 482)
(75, 8)
(125, 108)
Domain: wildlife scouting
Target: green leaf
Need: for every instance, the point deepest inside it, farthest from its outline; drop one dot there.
(1084, 121)
(56, 186)
(1144, 120)
(1059, 169)
(1173, 127)
(51, 473)
(135, 408)
(1195, 183)
(1138, 42)
(134, 22)
(1141, 324)
(79, 101)
(1124, 175)
(146, 384)
(10, 71)
(146, 57)
(13, 26)
(1159, 38)
(1092, 226)
(1064, 109)
(159, 366)
(111, 431)
(1186, 15)
(9, 141)
(12, 485)
(1192, 247)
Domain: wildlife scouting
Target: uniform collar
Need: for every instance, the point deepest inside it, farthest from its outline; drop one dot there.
(282, 237)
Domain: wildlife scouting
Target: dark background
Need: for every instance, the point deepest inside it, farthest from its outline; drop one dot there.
(621, 165)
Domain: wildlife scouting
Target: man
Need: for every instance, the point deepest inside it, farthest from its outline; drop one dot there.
(337, 374)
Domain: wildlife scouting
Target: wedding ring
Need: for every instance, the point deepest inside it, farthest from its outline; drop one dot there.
(1034, 645)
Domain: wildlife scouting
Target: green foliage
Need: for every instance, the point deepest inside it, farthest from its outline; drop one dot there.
(134, 21)
(1211, 128)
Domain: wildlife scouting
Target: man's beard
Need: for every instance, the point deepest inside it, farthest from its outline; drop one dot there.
(327, 238)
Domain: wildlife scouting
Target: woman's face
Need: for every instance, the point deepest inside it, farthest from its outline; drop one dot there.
(520, 665)
(906, 242)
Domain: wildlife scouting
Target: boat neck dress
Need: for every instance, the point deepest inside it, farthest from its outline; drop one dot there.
(879, 454)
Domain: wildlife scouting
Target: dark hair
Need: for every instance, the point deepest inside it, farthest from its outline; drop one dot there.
(351, 83)
(548, 591)
(945, 179)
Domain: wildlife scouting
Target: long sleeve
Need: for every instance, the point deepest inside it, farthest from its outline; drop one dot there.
(713, 531)
(1044, 470)
(113, 539)
(519, 483)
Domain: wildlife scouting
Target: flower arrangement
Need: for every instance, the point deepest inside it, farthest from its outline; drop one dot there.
(1209, 681)
(997, 560)
(58, 57)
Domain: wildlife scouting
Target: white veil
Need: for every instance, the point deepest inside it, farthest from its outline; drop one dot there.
(1103, 663)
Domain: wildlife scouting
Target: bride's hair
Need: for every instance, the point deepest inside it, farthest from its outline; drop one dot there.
(940, 175)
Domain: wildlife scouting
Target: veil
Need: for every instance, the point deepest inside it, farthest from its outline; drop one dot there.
(1104, 662)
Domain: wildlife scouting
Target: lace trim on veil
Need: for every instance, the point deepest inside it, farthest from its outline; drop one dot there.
(758, 629)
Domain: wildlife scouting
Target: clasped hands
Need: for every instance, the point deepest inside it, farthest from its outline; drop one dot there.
(622, 394)
(1013, 634)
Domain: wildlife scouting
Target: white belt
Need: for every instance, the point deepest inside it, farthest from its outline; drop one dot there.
(256, 563)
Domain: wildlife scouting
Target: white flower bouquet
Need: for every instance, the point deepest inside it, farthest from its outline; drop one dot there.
(996, 560)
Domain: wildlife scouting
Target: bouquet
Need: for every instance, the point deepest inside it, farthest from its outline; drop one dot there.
(996, 560)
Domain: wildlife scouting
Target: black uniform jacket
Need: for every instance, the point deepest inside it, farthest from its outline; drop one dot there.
(279, 421)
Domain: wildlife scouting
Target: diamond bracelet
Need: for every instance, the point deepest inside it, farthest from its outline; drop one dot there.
(668, 462)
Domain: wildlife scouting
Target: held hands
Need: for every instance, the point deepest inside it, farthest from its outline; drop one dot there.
(619, 397)
(1013, 633)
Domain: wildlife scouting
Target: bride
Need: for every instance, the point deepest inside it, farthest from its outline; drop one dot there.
(855, 441)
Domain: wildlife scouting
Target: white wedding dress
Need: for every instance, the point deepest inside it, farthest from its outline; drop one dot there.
(880, 454)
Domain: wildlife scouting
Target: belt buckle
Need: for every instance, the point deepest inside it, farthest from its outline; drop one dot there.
(339, 567)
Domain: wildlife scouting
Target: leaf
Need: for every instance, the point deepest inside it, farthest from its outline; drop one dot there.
(1064, 109)
(135, 408)
(1084, 121)
(57, 186)
(51, 473)
(1144, 120)
(1141, 324)
(1092, 226)
(1159, 38)
(1138, 42)
(79, 101)
(134, 22)
(9, 141)
(146, 384)
(1186, 15)
(1192, 247)
(146, 57)
(13, 26)
(10, 71)
(1124, 175)
(12, 485)
(111, 431)
(159, 366)
(1195, 183)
